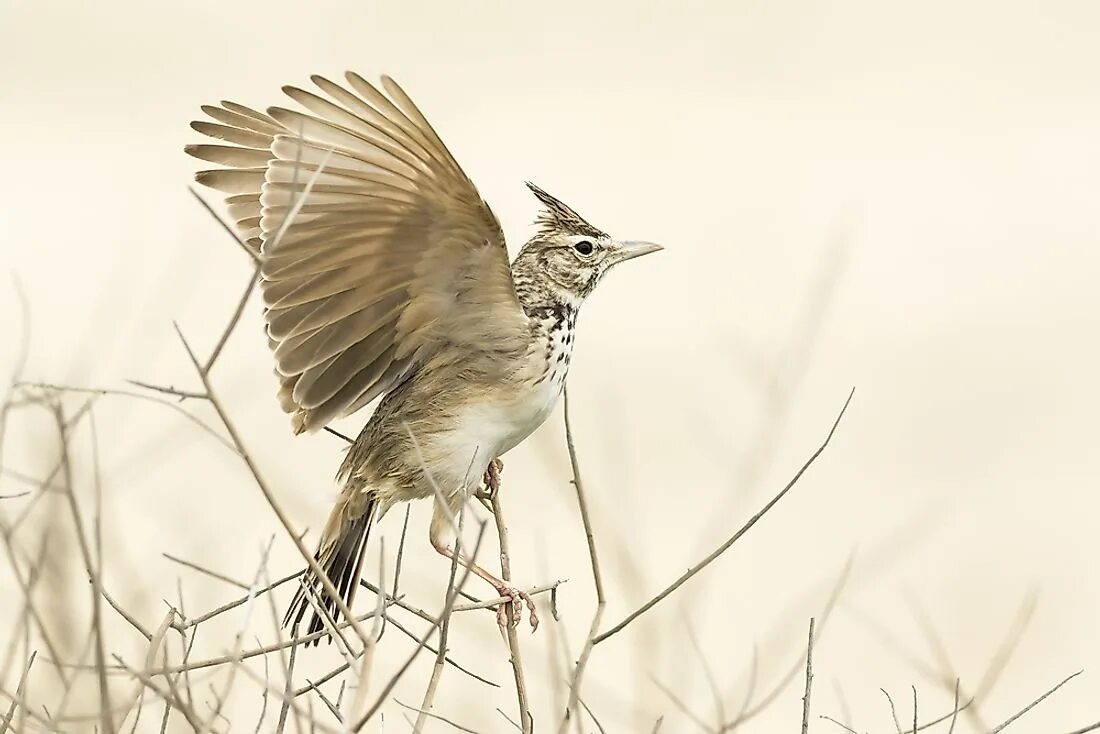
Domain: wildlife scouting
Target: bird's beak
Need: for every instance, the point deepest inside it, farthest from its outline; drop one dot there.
(632, 248)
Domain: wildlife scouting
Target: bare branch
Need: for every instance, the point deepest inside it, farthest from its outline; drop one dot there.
(893, 710)
(236, 317)
(264, 650)
(137, 396)
(237, 602)
(809, 680)
(845, 727)
(169, 390)
(592, 716)
(955, 709)
(1033, 704)
(914, 709)
(212, 574)
(492, 604)
(679, 703)
(427, 714)
(527, 724)
(597, 581)
(226, 226)
(388, 688)
(826, 614)
(19, 689)
(319, 572)
(106, 719)
(708, 673)
(444, 626)
(733, 539)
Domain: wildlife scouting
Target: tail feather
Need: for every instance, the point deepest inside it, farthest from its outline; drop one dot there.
(340, 554)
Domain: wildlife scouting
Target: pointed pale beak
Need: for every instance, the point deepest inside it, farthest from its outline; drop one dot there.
(633, 248)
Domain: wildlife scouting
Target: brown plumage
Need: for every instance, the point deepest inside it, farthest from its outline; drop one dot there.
(384, 274)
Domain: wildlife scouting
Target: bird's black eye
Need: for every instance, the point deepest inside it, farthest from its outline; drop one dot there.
(584, 247)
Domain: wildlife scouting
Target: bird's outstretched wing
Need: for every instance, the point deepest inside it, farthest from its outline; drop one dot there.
(376, 250)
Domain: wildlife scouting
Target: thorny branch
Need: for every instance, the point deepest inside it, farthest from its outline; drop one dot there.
(165, 680)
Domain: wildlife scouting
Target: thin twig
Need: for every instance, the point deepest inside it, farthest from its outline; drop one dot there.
(597, 581)
(172, 696)
(388, 688)
(367, 661)
(169, 390)
(809, 679)
(288, 684)
(156, 641)
(914, 709)
(845, 727)
(444, 629)
(238, 643)
(893, 710)
(226, 226)
(1033, 704)
(708, 673)
(212, 574)
(319, 572)
(955, 709)
(592, 716)
(526, 722)
(137, 396)
(20, 687)
(826, 614)
(733, 539)
(447, 659)
(237, 602)
(496, 602)
(269, 648)
(397, 566)
(236, 317)
(106, 719)
(333, 708)
(679, 703)
(427, 714)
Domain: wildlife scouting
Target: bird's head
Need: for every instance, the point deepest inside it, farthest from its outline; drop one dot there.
(568, 254)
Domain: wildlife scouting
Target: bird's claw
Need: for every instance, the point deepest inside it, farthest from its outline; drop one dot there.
(492, 479)
(510, 612)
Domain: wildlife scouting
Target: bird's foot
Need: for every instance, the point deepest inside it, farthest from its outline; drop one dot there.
(510, 612)
(491, 479)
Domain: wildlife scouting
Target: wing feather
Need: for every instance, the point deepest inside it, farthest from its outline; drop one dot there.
(393, 257)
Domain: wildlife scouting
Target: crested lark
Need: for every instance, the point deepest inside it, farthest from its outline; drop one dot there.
(385, 275)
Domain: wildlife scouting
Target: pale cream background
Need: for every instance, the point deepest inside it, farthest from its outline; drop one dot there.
(921, 177)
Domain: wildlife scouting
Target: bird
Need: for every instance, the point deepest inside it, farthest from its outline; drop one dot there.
(386, 279)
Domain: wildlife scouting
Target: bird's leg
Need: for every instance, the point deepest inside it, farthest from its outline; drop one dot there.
(491, 480)
(511, 611)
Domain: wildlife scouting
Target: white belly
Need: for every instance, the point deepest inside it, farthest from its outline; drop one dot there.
(487, 430)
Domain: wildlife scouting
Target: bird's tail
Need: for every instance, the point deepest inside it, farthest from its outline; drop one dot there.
(340, 553)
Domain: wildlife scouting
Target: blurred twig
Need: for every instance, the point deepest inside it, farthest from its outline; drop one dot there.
(90, 568)
(19, 690)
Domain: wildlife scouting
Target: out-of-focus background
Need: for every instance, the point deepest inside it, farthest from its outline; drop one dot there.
(897, 196)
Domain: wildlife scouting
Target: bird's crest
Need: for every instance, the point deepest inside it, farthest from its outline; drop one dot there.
(557, 217)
